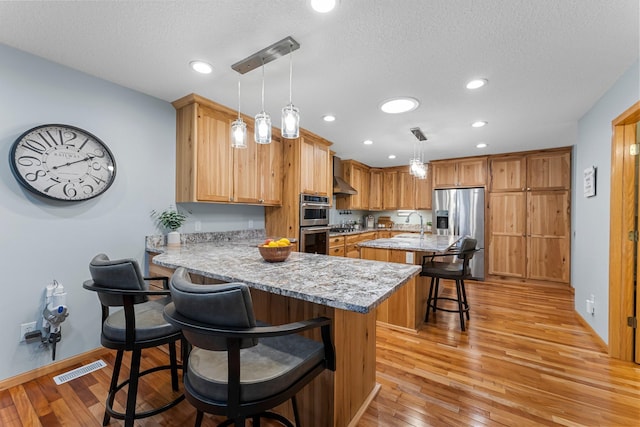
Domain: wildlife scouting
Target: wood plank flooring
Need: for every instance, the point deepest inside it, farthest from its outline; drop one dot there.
(525, 360)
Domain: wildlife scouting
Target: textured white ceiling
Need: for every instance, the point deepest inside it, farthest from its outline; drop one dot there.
(548, 62)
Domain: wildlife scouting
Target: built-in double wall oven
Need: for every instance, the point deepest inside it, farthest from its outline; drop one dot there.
(314, 224)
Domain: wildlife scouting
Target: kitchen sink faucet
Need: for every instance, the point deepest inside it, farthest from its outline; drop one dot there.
(421, 222)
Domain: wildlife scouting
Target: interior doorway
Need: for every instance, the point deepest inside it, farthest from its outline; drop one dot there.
(624, 305)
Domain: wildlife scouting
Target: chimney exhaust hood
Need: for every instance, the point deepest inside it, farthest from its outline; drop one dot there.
(340, 186)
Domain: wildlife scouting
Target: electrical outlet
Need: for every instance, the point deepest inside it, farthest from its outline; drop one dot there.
(198, 226)
(25, 328)
(250, 223)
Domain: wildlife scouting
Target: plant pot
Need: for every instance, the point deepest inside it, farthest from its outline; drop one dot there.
(173, 239)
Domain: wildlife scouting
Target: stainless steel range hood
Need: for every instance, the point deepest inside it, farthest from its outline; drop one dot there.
(340, 186)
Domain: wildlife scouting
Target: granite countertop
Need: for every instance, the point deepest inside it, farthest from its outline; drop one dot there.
(345, 283)
(411, 242)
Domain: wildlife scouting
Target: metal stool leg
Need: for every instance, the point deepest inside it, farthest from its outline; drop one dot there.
(460, 307)
(464, 298)
(132, 392)
(113, 385)
(174, 365)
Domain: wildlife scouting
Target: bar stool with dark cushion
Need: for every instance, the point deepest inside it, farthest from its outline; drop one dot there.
(457, 271)
(238, 368)
(137, 326)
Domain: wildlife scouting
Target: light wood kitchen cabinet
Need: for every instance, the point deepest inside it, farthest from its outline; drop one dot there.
(406, 190)
(208, 169)
(424, 192)
(336, 245)
(306, 168)
(375, 189)
(257, 172)
(390, 190)
(470, 172)
(315, 165)
(357, 175)
(529, 216)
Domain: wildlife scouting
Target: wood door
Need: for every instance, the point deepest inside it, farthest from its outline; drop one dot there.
(246, 176)
(424, 191)
(507, 173)
(322, 176)
(444, 174)
(363, 190)
(406, 191)
(549, 171)
(375, 190)
(548, 241)
(270, 164)
(307, 180)
(623, 296)
(507, 234)
(214, 157)
(390, 195)
(472, 172)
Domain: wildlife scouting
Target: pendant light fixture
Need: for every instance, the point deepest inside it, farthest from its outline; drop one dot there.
(290, 113)
(417, 167)
(238, 127)
(262, 134)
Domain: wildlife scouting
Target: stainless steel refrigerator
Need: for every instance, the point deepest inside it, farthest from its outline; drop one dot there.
(460, 211)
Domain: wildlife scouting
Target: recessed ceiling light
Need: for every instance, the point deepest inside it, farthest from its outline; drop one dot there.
(367, 142)
(201, 67)
(477, 83)
(399, 105)
(479, 124)
(481, 145)
(392, 156)
(329, 118)
(323, 6)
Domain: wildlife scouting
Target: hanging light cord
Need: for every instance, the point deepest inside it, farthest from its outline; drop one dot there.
(238, 95)
(290, 71)
(263, 85)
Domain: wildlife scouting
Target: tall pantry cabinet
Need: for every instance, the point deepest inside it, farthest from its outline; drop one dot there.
(529, 216)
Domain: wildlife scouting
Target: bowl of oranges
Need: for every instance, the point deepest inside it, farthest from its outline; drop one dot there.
(275, 250)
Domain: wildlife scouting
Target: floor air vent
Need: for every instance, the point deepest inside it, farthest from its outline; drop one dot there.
(78, 372)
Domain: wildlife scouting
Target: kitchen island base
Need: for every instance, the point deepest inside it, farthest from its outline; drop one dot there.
(337, 398)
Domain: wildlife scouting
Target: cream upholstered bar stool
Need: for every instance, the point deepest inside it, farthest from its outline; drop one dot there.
(138, 325)
(236, 367)
(456, 271)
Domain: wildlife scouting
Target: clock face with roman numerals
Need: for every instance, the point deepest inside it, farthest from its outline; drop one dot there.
(62, 162)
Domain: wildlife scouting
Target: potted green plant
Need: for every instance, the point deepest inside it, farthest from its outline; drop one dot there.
(171, 220)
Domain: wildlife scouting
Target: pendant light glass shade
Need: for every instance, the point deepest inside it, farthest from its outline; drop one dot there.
(290, 113)
(262, 134)
(238, 134)
(417, 167)
(238, 128)
(290, 122)
(263, 128)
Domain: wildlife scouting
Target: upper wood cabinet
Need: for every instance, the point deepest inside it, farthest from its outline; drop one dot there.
(549, 171)
(357, 175)
(375, 189)
(534, 171)
(390, 190)
(470, 172)
(315, 165)
(208, 169)
(424, 191)
(406, 190)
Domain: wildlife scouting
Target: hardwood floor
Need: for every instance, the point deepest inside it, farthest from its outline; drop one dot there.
(525, 360)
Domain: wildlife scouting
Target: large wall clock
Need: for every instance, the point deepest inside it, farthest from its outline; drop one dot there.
(62, 162)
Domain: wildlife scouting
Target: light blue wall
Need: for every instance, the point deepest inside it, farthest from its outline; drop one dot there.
(42, 241)
(590, 246)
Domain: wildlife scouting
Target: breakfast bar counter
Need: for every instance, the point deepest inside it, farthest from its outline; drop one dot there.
(302, 287)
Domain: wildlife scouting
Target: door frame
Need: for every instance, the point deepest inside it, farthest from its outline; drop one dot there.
(622, 220)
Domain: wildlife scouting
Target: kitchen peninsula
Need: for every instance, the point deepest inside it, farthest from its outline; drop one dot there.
(405, 309)
(302, 287)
